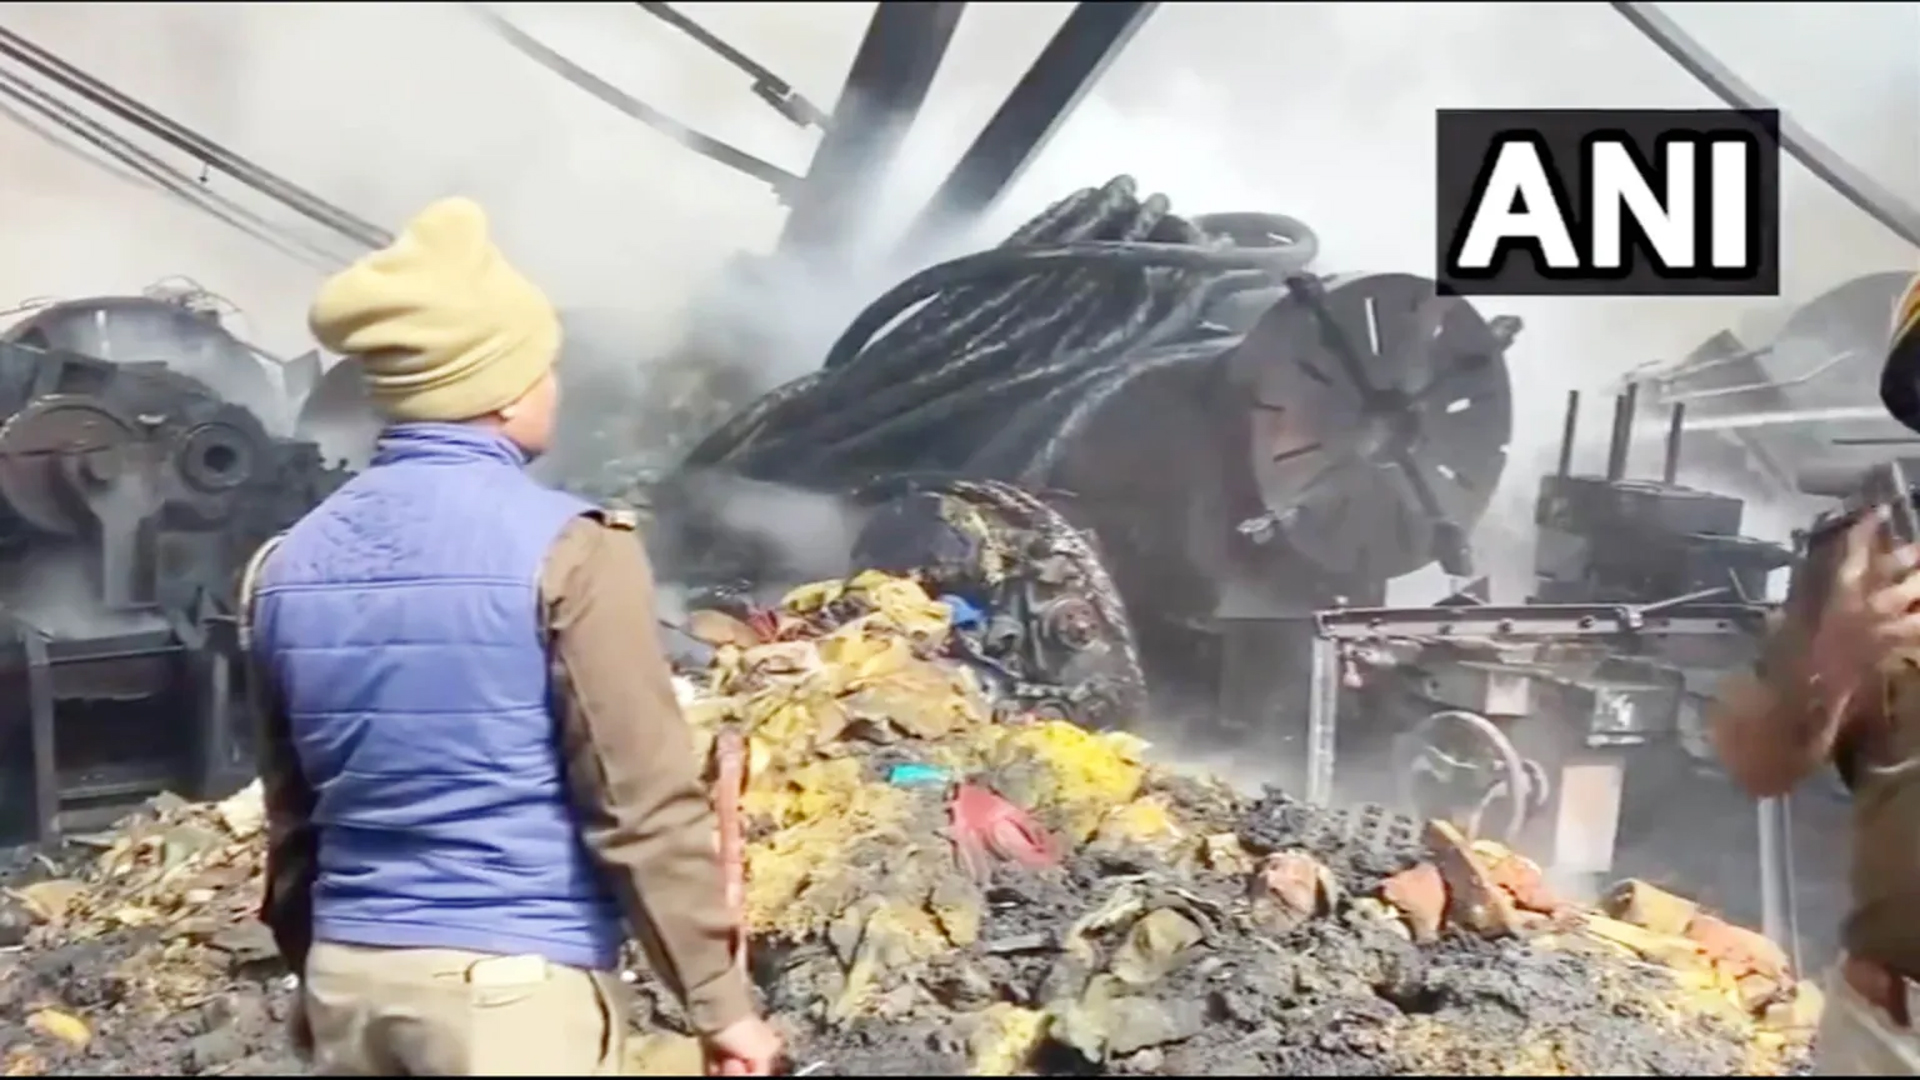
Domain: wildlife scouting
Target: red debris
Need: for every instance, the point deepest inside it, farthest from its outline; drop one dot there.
(987, 827)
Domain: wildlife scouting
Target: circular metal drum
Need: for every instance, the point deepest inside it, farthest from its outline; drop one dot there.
(37, 443)
(136, 329)
(1381, 418)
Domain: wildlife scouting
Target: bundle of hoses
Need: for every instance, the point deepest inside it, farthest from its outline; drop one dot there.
(1010, 352)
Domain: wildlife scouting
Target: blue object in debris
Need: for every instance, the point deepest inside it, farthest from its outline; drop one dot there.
(964, 614)
(917, 775)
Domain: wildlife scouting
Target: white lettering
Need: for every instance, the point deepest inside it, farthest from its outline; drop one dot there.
(1617, 184)
(1519, 175)
(1730, 162)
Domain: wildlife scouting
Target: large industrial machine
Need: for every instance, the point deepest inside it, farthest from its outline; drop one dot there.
(1218, 418)
(137, 472)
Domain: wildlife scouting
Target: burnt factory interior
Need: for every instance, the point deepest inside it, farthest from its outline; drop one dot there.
(1172, 458)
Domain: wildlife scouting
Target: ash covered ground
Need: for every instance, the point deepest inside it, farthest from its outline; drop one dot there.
(1155, 922)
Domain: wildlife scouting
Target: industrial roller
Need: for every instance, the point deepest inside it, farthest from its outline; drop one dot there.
(1381, 416)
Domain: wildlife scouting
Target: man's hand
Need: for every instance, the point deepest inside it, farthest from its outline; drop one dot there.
(747, 1047)
(1870, 612)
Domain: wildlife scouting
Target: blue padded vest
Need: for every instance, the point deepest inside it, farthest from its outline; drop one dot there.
(402, 621)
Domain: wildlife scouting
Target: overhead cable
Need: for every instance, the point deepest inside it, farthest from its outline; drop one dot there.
(131, 163)
(210, 153)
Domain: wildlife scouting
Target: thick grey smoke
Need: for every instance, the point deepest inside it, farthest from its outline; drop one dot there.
(1319, 110)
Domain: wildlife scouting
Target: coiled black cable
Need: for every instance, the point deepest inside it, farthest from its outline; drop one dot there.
(1010, 350)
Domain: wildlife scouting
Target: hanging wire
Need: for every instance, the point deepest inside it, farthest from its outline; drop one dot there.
(136, 164)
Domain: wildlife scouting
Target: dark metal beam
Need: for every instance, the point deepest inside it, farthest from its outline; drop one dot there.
(885, 88)
(1065, 70)
(782, 181)
(1820, 159)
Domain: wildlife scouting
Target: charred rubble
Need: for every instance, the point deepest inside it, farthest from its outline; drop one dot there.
(934, 887)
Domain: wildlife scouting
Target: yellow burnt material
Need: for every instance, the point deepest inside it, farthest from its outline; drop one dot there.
(838, 852)
(1174, 906)
(858, 673)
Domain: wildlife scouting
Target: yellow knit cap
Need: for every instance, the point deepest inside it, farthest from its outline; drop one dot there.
(443, 326)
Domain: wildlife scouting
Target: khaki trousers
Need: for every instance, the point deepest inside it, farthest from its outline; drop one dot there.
(1857, 1038)
(446, 1012)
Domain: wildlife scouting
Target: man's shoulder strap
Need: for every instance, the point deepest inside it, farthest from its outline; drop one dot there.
(249, 584)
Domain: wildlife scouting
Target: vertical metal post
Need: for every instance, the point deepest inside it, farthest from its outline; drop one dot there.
(216, 718)
(1568, 430)
(885, 89)
(1778, 919)
(1623, 407)
(40, 706)
(1073, 60)
(1323, 704)
(1676, 431)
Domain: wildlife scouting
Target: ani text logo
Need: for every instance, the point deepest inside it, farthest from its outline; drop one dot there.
(1618, 203)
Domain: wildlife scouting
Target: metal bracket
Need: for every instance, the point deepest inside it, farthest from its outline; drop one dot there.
(1523, 622)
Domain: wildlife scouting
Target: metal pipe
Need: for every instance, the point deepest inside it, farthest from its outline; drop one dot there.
(1820, 159)
(1623, 407)
(1676, 431)
(1777, 915)
(1323, 705)
(1568, 430)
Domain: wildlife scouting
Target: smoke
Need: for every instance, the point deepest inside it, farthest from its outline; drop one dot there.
(41, 584)
(1320, 110)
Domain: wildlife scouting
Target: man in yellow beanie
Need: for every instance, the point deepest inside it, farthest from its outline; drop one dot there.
(478, 776)
(1839, 682)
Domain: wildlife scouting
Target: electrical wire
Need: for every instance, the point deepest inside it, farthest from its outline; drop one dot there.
(210, 153)
(782, 181)
(987, 365)
(145, 166)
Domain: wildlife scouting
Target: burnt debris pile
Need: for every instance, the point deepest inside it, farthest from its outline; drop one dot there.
(935, 886)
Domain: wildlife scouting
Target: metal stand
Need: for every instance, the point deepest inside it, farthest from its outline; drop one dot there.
(1779, 915)
(1339, 630)
(141, 669)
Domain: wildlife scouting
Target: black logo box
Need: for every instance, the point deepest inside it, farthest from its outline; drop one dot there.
(1469, 138)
